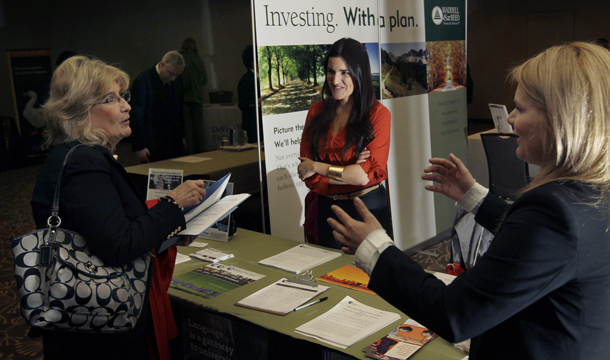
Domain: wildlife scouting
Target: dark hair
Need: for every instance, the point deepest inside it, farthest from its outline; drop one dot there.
(359, 129)
(189, 44)
(247, 57)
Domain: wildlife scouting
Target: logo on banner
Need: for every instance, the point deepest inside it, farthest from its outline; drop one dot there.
(437, 15)
(447, 15)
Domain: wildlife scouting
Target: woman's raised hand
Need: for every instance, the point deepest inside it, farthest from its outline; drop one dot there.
(454, 178)
(189, 193)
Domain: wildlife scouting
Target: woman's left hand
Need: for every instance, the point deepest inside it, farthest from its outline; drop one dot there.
(189, 193)
(306, 168)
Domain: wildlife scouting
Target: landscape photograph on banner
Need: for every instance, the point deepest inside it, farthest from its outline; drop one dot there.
(292, 77)
(446, 65)
(403, 66)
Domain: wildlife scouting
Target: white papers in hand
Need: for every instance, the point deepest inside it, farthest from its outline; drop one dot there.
(213, 214)
(300, 258)
(347, 323)
(213, 193)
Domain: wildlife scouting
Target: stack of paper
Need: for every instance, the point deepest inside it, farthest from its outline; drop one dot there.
(347, 323)
(281, 297)
(212, 255)
(300, 258)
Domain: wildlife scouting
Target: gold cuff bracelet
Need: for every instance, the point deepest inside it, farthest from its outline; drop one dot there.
(335, 173)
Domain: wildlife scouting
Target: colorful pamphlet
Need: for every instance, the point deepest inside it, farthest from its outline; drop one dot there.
(401, 343)
(214, 280)
(348, 276)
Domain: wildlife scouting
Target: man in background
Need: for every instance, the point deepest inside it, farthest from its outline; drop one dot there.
(156, 117)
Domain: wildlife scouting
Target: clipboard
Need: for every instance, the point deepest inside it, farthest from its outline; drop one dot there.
(284, 295)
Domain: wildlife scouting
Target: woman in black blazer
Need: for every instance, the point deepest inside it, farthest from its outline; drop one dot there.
(542, 290)
(88, 104)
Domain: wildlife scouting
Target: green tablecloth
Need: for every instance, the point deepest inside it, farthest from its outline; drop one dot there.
(250, 247)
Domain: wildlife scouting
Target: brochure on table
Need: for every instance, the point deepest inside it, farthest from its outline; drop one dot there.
(349, 276)
(401, 343)
(281, 297)
(347, 323)
(214, 280)
(300, 258)
(212, 255)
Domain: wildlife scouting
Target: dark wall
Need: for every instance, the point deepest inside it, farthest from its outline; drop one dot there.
(502, 34)
(136, 34)
(133, 35)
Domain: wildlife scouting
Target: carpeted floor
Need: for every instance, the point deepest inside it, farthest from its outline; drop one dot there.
(16, 218)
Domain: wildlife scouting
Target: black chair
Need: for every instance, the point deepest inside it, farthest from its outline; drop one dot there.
(507, 173)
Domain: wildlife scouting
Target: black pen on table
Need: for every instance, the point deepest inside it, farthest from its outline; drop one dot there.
(311, 303)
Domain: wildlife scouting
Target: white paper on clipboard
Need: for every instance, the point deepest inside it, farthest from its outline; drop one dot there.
(499, 115)
(281, 297)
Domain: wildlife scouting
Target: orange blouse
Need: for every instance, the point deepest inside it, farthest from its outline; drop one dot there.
(375, 166)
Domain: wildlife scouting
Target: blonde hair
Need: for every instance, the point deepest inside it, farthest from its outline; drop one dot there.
(78, 84)
(570, 83)
(174, 59)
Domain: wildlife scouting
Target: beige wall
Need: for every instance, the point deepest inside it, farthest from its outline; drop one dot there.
(131, 34)
(502, 34)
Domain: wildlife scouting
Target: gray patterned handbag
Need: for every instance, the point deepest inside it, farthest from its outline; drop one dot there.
(62, 286)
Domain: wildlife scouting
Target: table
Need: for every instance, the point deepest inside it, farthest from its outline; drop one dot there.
(275, 334)
(217, 120)
(243, 166)
(477, 161)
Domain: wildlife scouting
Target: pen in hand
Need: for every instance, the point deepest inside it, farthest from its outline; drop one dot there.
(311, 303)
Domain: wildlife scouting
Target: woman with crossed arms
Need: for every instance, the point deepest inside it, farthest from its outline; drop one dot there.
(346, 141)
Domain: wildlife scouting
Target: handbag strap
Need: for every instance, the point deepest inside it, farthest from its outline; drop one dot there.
(54, 220)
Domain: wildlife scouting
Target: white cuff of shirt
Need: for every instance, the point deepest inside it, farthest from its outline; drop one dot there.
(370, 249)
(473, 198)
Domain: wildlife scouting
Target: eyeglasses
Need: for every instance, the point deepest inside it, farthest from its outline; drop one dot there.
(112, 100)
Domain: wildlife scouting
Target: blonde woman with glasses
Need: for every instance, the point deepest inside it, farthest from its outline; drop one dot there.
(89, 104)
